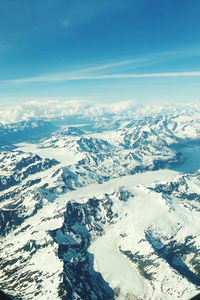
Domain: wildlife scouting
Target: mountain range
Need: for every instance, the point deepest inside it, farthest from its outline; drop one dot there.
(92, 207)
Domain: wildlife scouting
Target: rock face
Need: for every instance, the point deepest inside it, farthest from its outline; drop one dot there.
(81, 223)
(17, 166)
(8, 220)
(81, 218)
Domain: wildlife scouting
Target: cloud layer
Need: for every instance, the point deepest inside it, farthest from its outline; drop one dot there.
(58, 109)
(61, 109)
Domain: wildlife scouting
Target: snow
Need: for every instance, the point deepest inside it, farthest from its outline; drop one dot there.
(145, 178)
(115, 268)
(62, 155)
(146, 209)
(136, 143)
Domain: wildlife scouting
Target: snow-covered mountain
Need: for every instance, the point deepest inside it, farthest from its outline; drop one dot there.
(24, 131)
(87, 213)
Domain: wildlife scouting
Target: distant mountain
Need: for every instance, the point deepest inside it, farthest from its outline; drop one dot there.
(24, 131)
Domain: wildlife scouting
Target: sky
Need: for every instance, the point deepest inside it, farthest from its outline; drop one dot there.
(99, 50)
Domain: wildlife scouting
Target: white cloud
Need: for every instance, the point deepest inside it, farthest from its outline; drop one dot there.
(82, 74)
(86, 75)
(54, 108)
(113, 70)
(58, 109)
(148, 75)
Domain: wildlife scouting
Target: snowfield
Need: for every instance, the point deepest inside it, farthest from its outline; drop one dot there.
(94, 211)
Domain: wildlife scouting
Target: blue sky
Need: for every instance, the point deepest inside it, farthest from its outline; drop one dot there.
(99, 50)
